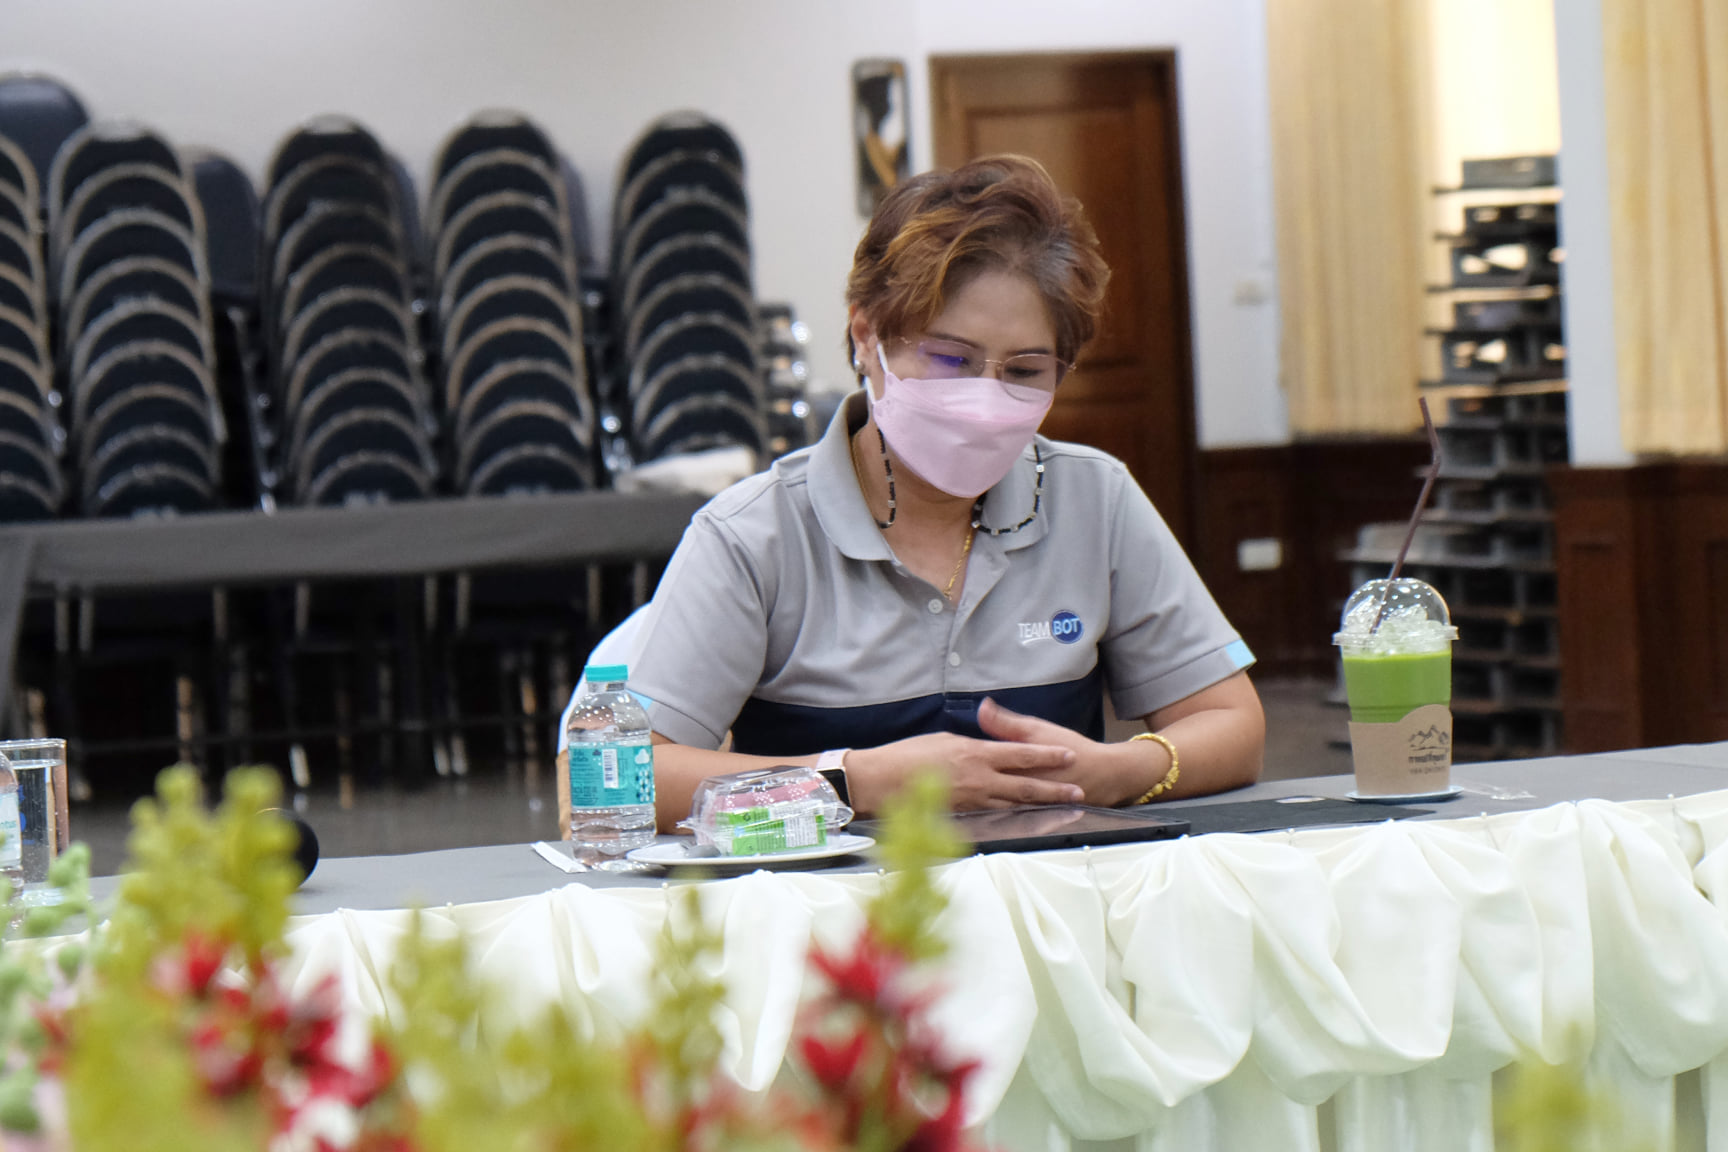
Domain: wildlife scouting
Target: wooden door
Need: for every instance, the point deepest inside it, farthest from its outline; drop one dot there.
(1105, 126)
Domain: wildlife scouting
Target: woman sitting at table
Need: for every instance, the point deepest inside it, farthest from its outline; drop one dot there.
(933, 584)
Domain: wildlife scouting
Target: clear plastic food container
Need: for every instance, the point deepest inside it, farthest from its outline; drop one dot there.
(765, 811)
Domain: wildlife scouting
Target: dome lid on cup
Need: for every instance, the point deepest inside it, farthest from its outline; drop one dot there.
(1414, 620)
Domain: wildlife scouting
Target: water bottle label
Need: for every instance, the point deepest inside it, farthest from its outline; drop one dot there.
(611, 775)
(11, 837)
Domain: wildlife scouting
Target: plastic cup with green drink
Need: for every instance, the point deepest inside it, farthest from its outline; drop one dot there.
(1396, 641)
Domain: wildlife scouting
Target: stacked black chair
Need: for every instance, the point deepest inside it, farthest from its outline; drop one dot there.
(337, 272)
(685, 317)
(786, 355)
(131, 279)
(38, 114)
(31, 487)
(516, 402)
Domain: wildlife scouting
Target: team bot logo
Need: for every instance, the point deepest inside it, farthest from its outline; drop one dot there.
(1066, 627)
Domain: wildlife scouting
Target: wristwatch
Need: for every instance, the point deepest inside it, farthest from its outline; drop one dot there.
(831, 765)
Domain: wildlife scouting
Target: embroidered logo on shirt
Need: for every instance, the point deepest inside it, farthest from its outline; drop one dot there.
(1064, 627)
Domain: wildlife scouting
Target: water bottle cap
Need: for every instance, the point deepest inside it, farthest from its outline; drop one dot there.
(606, 673)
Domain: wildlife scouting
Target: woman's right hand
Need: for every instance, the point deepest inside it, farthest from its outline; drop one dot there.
(980, 773)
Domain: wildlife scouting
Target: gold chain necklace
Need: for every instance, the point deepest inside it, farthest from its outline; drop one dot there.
(948, 592)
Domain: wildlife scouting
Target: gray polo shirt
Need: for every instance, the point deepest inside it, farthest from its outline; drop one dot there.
(785, 617)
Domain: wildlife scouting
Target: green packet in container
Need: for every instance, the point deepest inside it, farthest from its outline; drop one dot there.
(765, 811)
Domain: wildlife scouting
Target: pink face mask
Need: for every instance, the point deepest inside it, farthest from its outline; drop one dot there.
(961, 436)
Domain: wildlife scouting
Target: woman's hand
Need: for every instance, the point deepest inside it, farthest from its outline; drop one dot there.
(981, 773)
(1107, 774)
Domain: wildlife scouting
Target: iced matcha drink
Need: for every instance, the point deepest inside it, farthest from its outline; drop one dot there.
(1384, 687)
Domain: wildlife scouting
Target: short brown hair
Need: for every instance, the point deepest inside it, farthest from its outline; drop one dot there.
(936, 231)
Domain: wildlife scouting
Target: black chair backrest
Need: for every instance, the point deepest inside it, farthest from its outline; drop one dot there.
(26, 457)
(680, 131)
(502, 340)
(134, 321)
(25, 414)
(500, 214)
(344, 309)
(680, 212)
(340, 351)
(519, 422)
(497, 170)
(328, 223)
(152, 488)
(368, 477)
(692, 377)
(321, 136)
(692, 334)
(23, 500)
(356, 430)
(327, 178)
(17, 172)
(698, 423)
(342, 266)
(486, 131)
(20, 293)
(531, 469)
(680, 169)
(497, 258)
(142, 407)
(126, 233)
(38, 114)
(508, 296)
(581, 232)
(682, 255)
(525, 378)
(16, 209)
(233, 221)
(25, 376)
(351, 389)
(102, 145)
(134, 278)
(135, 366)
(21, 250)
(144, 445)
(22, 335)
(700, 292)
(124, 186)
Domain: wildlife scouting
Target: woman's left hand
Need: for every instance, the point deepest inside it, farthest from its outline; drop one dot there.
(1107, 773)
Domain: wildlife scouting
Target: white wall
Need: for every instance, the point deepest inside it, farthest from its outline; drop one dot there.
(238, 75)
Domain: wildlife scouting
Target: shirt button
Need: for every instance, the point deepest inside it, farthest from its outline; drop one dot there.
(953, 659)
(935, 607)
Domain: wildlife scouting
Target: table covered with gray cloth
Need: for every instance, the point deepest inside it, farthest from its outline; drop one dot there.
(75, 557)
(473, 875)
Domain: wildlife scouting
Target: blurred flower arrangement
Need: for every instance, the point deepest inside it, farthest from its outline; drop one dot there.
(169, 1027)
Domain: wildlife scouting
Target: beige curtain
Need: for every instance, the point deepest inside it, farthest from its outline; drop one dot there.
(1346, 86)
(1666, 84)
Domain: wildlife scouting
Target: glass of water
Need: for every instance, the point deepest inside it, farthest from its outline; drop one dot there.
(40, 766)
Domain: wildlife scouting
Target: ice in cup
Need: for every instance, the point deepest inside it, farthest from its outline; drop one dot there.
(1396, 642)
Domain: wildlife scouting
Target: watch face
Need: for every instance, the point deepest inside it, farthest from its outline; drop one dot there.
(837, 778)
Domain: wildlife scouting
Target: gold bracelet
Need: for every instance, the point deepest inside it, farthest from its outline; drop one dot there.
(1170, 777)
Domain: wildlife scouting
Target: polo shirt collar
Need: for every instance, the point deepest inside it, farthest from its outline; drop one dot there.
(847, 521)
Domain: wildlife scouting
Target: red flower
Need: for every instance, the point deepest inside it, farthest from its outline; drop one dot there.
(834, 1064)
(202, 960)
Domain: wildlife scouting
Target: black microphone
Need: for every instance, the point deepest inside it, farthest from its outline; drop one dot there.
(305, 842)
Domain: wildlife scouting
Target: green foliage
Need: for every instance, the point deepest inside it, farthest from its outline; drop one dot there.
(226, 878)
(916, 834)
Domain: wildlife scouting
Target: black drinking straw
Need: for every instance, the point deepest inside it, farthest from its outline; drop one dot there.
(1416, 516)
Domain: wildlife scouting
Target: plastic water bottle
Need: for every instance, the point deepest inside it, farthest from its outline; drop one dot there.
(611, 773)
(11, 827)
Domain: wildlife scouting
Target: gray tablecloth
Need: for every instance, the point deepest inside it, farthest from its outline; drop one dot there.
(472, 875)
(227, 548)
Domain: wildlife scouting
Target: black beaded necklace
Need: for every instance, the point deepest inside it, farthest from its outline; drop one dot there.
(977, 508)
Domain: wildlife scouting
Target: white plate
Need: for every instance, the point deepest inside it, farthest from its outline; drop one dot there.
(1409, 797)
(676, 855)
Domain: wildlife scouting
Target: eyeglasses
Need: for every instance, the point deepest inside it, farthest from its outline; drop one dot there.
(951, 360)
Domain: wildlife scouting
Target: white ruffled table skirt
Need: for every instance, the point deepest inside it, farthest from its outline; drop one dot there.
(1350, 988)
